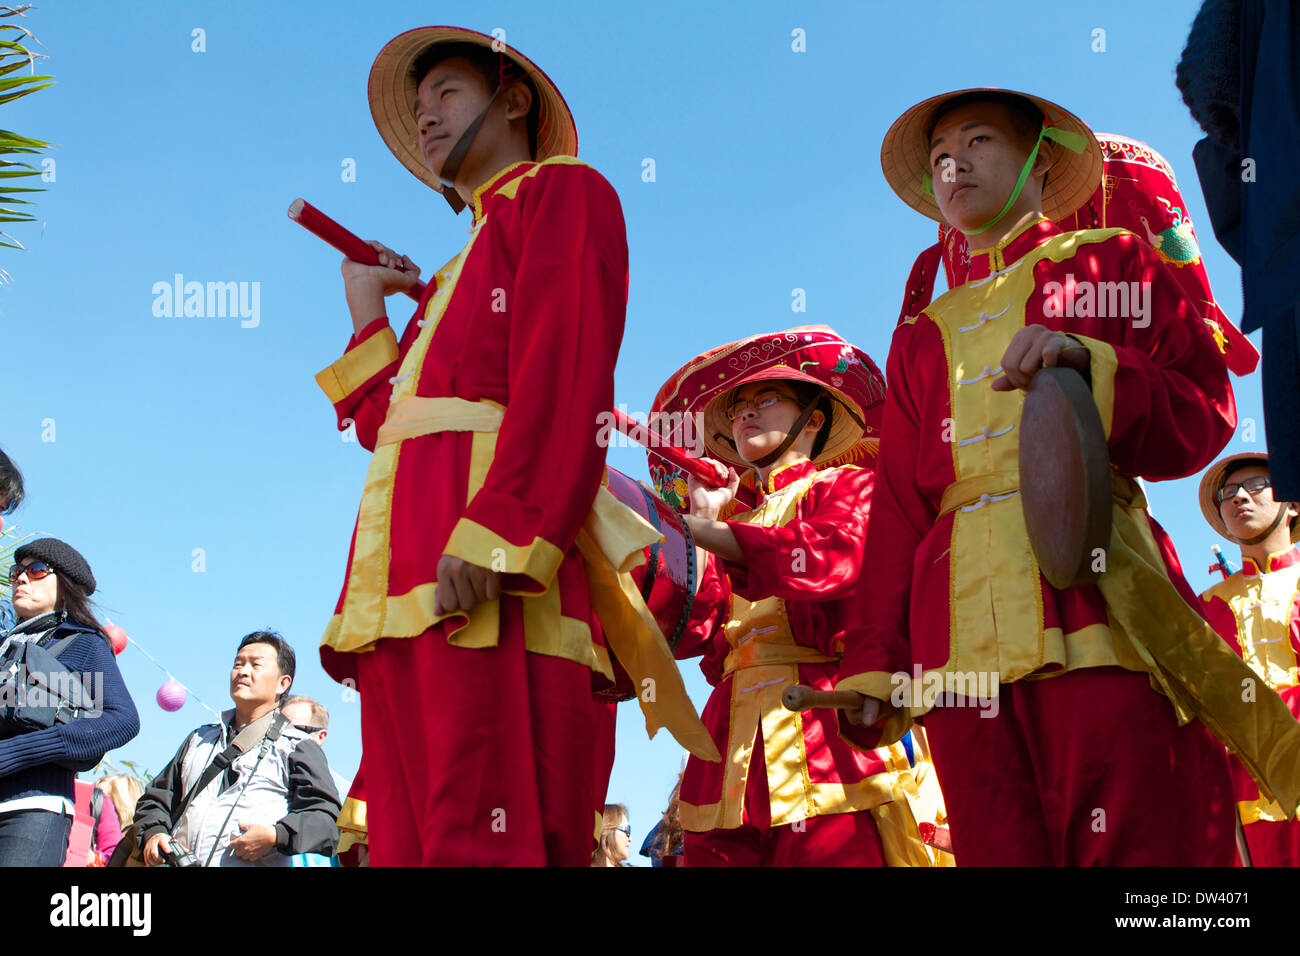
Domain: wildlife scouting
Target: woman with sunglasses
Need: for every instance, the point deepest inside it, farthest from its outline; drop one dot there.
(51, 586)
(615, 837)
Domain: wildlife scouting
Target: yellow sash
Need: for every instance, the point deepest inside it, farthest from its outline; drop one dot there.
(612, 542)
(352, 825)
(1156, 631)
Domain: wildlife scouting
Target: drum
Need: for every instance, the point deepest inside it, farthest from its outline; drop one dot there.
(667, 579)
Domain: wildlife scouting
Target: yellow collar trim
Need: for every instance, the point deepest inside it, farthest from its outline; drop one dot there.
(988, 250)
(477, 198)
(770, 488)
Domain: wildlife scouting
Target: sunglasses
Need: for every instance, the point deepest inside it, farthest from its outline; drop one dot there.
(762, 400)
(625, 830)
(1253, 487)
(306, 729)
(34, 571)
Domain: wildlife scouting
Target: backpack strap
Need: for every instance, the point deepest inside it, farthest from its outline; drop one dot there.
(96, 809)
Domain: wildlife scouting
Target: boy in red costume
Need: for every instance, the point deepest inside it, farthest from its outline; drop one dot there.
(1257, 610)
(465, 618)
(1084, 761)
(793, 407)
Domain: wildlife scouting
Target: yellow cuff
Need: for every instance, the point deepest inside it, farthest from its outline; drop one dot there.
(539, 559)
(881, 686)
(1102, 366)
(875, 684)
(358, 365)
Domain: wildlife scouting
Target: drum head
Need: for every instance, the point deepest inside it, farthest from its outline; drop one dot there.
(1064, 478)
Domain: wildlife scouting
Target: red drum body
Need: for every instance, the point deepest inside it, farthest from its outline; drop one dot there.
(668, 577)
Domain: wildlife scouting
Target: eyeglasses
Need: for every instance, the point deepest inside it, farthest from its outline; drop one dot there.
(1253, 487)
(626, 830)
(759, 402)
(307, 730)
(34, 571)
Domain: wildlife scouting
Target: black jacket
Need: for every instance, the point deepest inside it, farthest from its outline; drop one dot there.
(289, 787)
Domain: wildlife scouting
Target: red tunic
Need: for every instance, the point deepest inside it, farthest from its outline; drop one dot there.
(528, 318)
(780, 622)
(956, 595)
(479, 734)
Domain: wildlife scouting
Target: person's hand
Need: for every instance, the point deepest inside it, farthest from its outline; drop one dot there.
(255, 842)
(367, 286)
(708, 502)
(867, 714)
(462, 585)
(1035, 347)
(395, 273)
(154, 848)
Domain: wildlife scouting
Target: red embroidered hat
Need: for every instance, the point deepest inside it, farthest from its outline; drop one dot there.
(698, 393)
(1138, 192)
(392, 96)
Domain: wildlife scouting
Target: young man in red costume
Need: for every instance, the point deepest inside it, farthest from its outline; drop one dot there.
(1085, 761)
(1257, 611)
(769, 612)
(465, 618)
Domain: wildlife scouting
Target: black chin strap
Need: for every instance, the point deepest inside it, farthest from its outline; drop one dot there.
(451, 168)
(795, 429)
(1277, 520)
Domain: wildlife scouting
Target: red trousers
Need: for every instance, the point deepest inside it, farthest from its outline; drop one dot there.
(606, 725)
(1088, 768)
(1270, 844)
(476, 756)
(1273, 844)
(834, 839)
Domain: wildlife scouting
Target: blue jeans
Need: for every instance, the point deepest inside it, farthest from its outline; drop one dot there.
(34, 838)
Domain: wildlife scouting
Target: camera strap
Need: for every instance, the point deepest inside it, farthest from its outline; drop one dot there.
(272, 734)
(266, 727)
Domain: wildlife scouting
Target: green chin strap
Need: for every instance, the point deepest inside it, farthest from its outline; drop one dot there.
(1074, 142)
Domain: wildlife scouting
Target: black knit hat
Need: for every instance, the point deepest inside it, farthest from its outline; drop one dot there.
(62, 558)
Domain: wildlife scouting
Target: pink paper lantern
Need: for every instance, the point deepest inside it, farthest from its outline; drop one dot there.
(117, 636)
(171, 696)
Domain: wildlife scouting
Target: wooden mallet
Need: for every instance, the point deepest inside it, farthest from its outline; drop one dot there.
(797, 697)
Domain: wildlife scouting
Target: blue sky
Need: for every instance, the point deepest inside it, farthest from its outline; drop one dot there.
(175, 434)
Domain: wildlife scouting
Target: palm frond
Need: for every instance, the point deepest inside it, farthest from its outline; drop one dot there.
(16, 42)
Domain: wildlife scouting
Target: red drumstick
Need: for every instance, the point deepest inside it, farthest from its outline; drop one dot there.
(351, 245)
(670, 453)
(936, 836)
(322, 226)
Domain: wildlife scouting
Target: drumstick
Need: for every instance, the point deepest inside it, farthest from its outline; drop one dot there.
(797, 697)
(1243, 848)
(351, 245)
(936, 836)
(694, 467)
